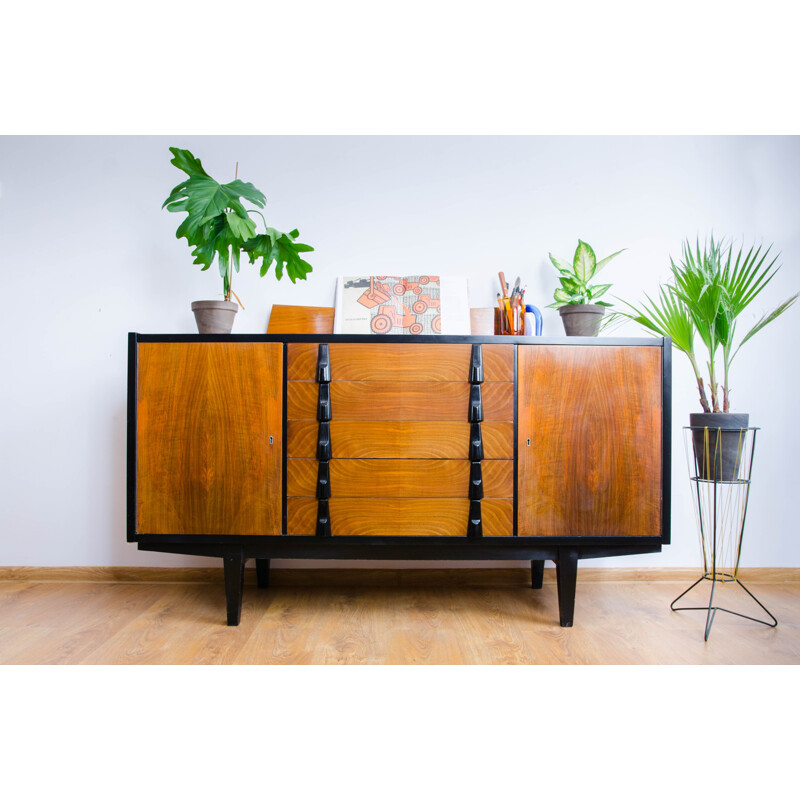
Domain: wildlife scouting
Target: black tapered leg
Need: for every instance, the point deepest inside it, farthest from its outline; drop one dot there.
(234, 585)
(566, 578)
(262, 572)
(537, 574)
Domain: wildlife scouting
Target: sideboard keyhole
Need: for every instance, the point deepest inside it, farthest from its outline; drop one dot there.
(529, 442)
(270, 440)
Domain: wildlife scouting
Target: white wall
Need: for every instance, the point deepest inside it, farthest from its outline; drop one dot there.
(88, 255)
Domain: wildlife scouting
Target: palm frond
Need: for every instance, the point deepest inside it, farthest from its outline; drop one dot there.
(765, 320)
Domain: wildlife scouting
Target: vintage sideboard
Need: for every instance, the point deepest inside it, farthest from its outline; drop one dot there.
(398, 447)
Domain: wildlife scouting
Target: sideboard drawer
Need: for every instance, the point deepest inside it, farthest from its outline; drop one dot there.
(398, 516)
(367, 477)
(402, 363)
(399, 439)
(413, 401)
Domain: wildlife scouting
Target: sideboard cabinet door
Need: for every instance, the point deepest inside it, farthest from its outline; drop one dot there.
(209, 425)
(590, 430)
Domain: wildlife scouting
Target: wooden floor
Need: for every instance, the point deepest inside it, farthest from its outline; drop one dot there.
(470, 616)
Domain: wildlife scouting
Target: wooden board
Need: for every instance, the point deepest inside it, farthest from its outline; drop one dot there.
(398, 516)
(401, 401)
(394, 439)
(300, 319)
(399, 362)
(205, 464)
(399, 478)
(593, 418)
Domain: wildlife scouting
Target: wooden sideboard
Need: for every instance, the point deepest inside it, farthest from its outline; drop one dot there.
(398, 447)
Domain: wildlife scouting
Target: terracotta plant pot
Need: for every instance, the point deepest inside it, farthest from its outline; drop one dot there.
(719, 457)
(214, 316)
(582, 319)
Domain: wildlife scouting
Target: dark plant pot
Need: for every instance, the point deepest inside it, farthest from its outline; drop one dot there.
(582, 319)
(214, 316)
(719, 457)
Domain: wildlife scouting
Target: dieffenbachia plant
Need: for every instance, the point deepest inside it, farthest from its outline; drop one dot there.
(217, 225)
(575, 288)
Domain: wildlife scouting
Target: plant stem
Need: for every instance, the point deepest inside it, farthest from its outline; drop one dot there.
(713, 386)
(725, 368)
(700, 387)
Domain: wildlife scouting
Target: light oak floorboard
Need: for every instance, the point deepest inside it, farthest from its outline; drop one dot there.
(470, 616)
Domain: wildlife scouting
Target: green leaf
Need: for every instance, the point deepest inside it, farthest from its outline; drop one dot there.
(280, 249)
(561, 265)
(239, 188)
(766, 319)
(599, 289)
(666, 316)
(585, 262)
(603, 262)
(242, 229)
(571, 285)
(186, 162)
(561, 296)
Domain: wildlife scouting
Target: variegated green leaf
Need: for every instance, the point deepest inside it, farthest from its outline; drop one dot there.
(604, 261)
(585, 262)
(561, 265)
(598, 290)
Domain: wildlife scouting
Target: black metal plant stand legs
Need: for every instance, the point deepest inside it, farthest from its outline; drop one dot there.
(712, 609)
(720, 464)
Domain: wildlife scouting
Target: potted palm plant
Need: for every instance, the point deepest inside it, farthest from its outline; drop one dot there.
(219, 227)
(576, 300)
(709, 290)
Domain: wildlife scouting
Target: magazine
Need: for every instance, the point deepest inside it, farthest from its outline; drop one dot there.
(414, 304)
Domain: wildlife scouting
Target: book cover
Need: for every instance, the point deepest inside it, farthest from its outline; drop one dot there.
(412, 304)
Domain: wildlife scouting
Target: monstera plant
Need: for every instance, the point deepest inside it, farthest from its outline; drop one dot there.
(219, 227)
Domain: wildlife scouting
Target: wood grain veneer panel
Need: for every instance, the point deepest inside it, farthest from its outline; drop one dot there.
(300, 319)
(413, 401)
(204, 461)
(399, 362)
(398, 516)
(364, 361)
(399, 478)
(498, 362)
(593, 417)
(397, 439)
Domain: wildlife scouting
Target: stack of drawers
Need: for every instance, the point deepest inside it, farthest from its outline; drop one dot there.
(400, 439)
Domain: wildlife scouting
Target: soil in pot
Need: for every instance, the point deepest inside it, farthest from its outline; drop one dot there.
(582, 319)
(214, 316)
(718, 453)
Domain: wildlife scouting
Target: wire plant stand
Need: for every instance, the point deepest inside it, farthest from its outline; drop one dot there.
(720, 463)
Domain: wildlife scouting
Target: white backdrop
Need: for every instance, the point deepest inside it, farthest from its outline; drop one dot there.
(88, 255)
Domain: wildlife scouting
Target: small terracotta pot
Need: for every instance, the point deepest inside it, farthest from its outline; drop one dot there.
(214, 316)
(582, 319)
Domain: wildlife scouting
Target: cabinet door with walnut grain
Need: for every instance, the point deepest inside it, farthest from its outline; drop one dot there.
(589, 440)
(209, 423)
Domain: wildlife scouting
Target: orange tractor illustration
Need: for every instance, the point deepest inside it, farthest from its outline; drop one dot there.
(392, 313)
(389, 317)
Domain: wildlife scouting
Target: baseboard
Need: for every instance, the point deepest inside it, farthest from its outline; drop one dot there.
(378, 577)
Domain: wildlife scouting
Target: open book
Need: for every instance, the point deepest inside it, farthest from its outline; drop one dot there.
(414, 304)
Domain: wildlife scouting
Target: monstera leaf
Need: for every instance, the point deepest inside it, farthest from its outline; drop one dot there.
(282, 250)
